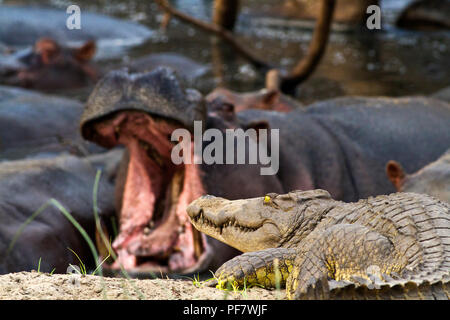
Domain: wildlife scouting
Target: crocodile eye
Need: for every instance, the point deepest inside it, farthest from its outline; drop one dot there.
(267, 199)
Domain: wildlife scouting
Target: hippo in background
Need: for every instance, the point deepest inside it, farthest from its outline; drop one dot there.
(185, 67)
(49, 66)
(25, 185)
(433, 179)
(24, 25)
(340, 145)
(425, 15)
(62, 59)
(36, 125)
(443, 94)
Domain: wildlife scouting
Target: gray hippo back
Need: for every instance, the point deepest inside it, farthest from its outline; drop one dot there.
(26, 185)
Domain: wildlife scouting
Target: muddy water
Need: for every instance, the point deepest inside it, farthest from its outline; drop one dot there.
(389, 62)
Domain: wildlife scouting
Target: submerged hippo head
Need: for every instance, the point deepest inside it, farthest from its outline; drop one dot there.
(140, 111)
(49, 66)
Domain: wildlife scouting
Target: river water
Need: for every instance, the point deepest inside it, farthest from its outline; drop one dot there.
(390, 62)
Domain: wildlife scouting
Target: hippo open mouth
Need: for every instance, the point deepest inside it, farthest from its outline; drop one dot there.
(155, 233)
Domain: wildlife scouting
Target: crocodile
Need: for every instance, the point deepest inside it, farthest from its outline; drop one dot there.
(393, 246)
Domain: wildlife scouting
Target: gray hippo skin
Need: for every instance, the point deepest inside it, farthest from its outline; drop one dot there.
(426, 15)
(185, 67)
(49, 66)
(20, 26)
(433, 179)
(25, 185)
(341, 145)
(443, 94)
(39, 125)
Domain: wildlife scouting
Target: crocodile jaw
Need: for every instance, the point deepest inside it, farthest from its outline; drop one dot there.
(230, 222)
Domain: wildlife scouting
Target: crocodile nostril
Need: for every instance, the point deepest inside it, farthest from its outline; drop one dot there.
(193, 210)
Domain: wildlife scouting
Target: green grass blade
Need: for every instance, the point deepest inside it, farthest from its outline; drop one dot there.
(27, 222)
(82, 265)
(81, 230)
(75, 223)
(97, 220)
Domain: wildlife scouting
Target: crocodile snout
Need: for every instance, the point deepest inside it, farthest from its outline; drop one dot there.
(193, 210)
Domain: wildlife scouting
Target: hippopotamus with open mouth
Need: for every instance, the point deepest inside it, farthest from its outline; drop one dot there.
(340, 145)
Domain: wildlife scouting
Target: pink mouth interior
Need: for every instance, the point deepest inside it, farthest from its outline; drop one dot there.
(155, 233)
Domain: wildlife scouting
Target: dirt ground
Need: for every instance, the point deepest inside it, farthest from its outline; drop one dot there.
(43, 286)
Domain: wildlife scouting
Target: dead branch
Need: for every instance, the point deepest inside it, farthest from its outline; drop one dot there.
(317, 46)
(276, 78)
(225, 13)
(216, 30)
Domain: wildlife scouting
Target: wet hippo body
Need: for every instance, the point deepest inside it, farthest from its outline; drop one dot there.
(49, 66)
(38, 125)
(426, 15)
(433, 179)
(21, 26)
(443, 94)
(348, 15)
(340, 145)
(25, 185)
(186, 68)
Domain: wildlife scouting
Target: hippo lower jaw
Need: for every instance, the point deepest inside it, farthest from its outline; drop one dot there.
(166, 241)
(155, 232)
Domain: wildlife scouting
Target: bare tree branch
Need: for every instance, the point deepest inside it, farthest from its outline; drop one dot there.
(308, 64)
(225, 13)
(277, 78)
(218, 31)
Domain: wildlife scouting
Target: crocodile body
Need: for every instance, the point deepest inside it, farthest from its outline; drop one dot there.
(386, 247)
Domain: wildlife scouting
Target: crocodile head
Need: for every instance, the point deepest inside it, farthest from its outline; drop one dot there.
(260, 223)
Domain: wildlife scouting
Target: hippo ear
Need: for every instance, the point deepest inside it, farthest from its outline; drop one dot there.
(227, 108)
(85, 52)
(270, 96)
(396, 174)
(259, 125)
(47, 48)
(222, 108)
